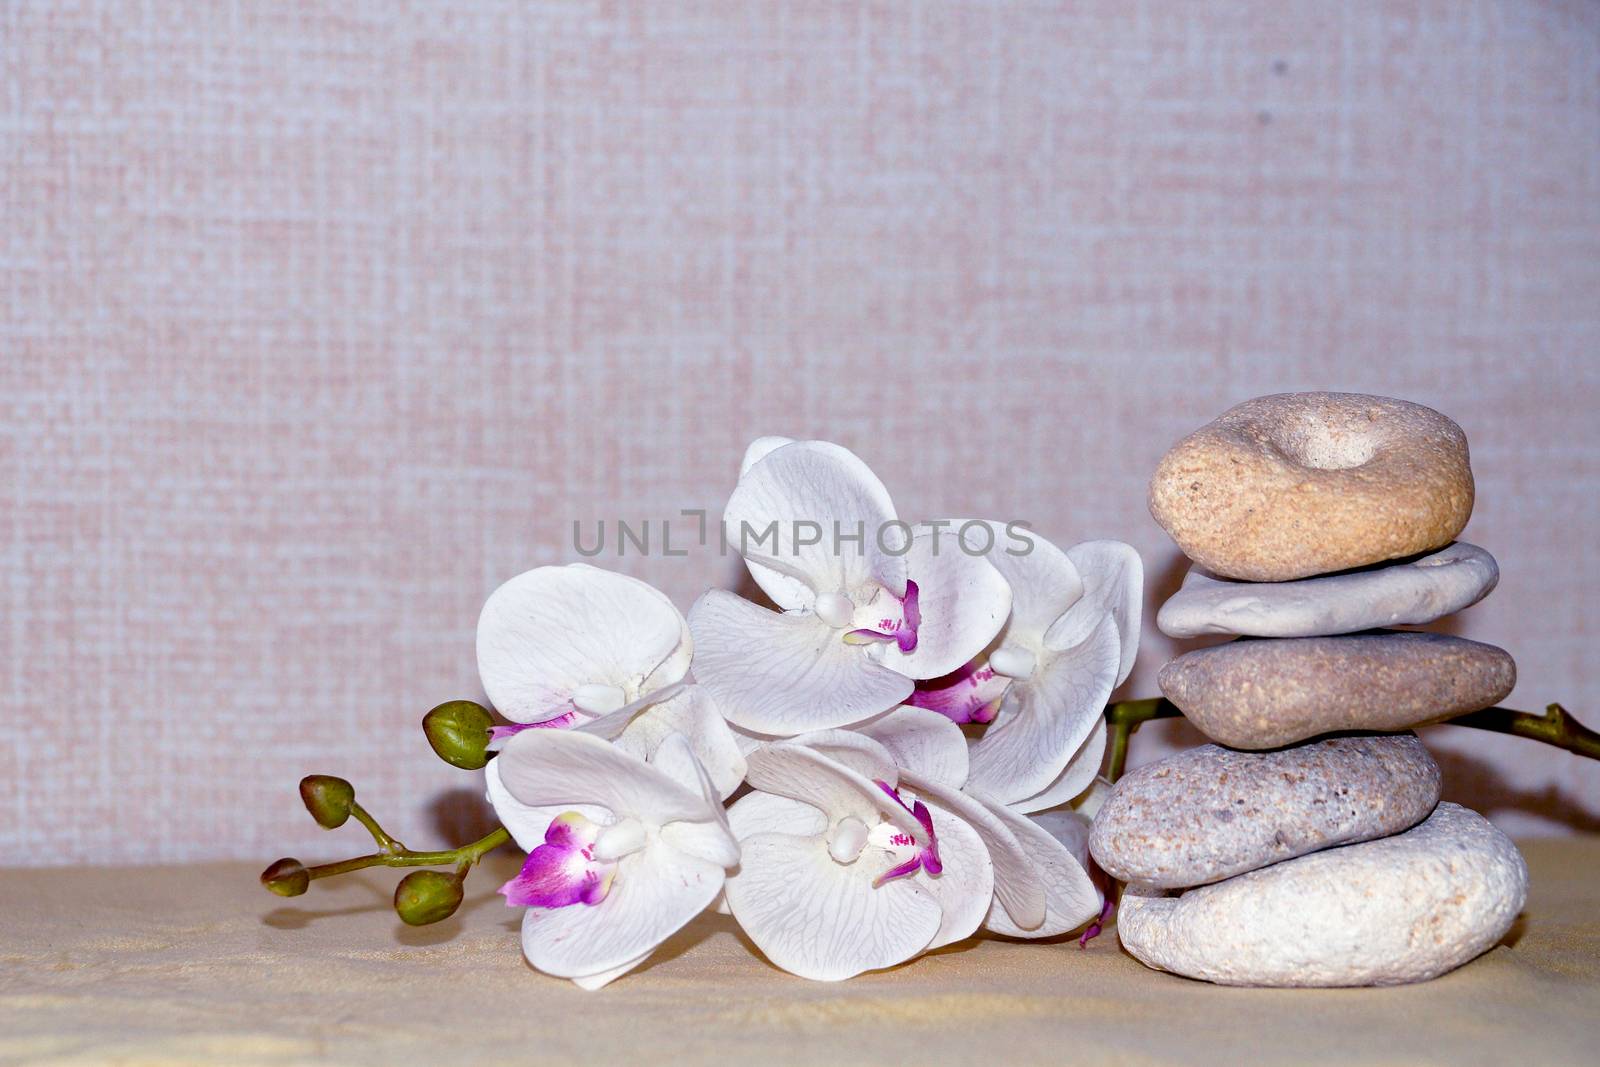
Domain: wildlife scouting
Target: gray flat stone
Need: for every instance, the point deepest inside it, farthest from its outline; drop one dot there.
(1401, 909)
(1257, 694)
(1404, 594)
(1210, 812)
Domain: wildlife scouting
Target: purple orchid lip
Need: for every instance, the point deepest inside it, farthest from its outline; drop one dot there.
(563, 870)
(927, 856)
(969, 694)
(1096, 927)
(902, 631)
(930, 855)
(560, 722)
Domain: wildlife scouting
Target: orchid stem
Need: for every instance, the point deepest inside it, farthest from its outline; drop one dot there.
(1123, 718)
(1555, 727)
(400, 856)
(386, 844)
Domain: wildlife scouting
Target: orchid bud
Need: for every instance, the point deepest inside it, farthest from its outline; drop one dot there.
(328, 799)
(458, 730)
(287, 877)
(424, 897)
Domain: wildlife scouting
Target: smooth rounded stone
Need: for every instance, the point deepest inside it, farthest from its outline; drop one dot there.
(1400, 909)
(1210, 812)
(1402, 594)
(1254, 693)
(1297, 484)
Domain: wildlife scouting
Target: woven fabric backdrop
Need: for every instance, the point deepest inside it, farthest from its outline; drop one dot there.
(318, 321)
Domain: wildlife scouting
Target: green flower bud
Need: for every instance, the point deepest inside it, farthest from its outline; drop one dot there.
(424, 897)
(287, 877)
(458, 730)
(328, 799)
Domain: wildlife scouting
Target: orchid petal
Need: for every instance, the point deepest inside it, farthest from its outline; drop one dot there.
(713, 838)
(591, 982)
(1071, 898)
(549, 631)
(857, 751)
(527, 823)
(690, 712)
(816, 485)
(963, 602)
(768, 813)
(824, 920)
(1079, 775)
(748, 742)
(758, 451)
(800, 773)
(654, 893)
(1017, 885)
(674, 756)
(563, 767)
(1089, 802)
(785, 674)
(609, 724)
(711, 842)
(924, 742)
(1044, 582)
(964, 887)
(1113, 582)
(1070, 828)
(1045, 720)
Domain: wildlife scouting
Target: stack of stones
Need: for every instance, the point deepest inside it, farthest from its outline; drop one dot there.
(1305, 848)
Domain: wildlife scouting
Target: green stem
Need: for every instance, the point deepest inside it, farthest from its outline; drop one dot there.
(386, 843)
(400, 856)
(1555, 727)
(1123, 718)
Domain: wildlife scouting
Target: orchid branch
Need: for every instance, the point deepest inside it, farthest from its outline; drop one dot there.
(386, 844)
(1126, 716)
(422, 897)
(1556, 726)
(468, 854)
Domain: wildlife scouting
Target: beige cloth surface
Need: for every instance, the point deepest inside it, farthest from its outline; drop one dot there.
(198, 965)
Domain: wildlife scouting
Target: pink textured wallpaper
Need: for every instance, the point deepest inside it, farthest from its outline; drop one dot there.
(318, 321)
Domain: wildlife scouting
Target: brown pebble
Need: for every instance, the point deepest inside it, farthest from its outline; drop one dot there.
(1257, 694)
(1298, 484)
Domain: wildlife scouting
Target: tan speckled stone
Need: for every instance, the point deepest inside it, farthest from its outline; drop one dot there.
(1264, 693)
(1403, 909)
(1209, 812)
(1298, 484)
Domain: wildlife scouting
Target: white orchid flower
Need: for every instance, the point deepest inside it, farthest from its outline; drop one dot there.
(1071, 639)
(842, 872)
(579, 647)
(1042, 886)
(621, 853)
(865, 608)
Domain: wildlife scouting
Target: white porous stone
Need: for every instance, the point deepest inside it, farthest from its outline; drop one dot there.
(1400, 594)
(1402, 909)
